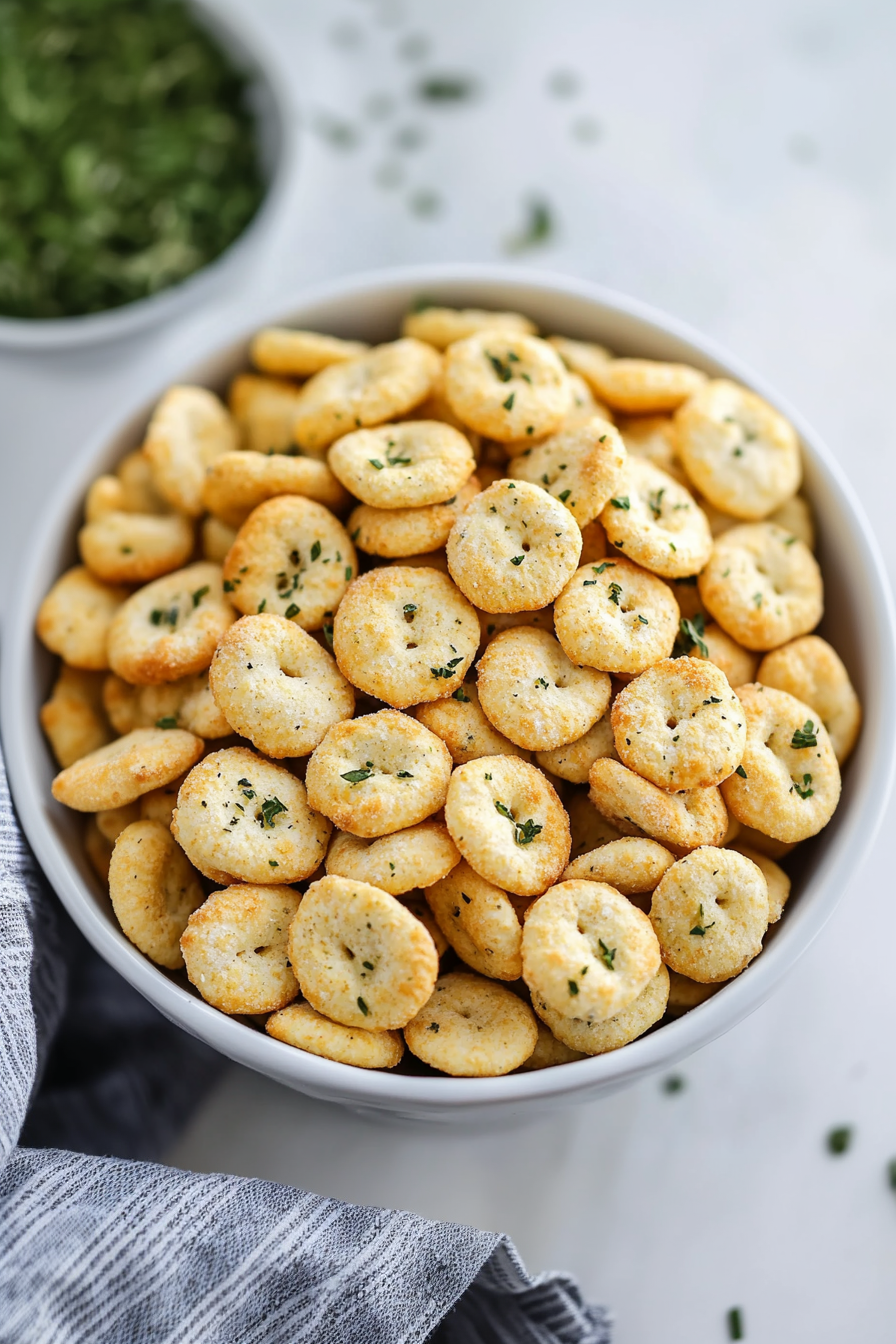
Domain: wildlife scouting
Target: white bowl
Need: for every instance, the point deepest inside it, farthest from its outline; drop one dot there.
(270, 101)
(859, 621)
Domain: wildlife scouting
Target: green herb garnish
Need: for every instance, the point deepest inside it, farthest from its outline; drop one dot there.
(167, 721)
(735, 1323)
(615, 593)
(690, 636)
(573, 987)
(292, 610)
(607, 955)
(460, 694)
(446, 88)
(357, 776)
(622, 502)
(508, 404)
(741, 771)
(805, 736)
(129, 153)
(315, 551)
(517, 559)
(699, 929)
(537, 230)
(607, 564)
(363, 1006)
(839, 1140)
(805, 789)
(199, 595)
(271, 808)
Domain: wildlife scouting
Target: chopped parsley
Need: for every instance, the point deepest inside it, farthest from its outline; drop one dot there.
(404, 774)
(735, 1323)
(460, 694)
(805, 736)
(573, 987)
(607, 564)
(622, 502)
(524, 832)
(615, 593)
(805, 789)
(409, 610)
(271, 808)
(538, 229)
(447, 671)
(292, 610)
(375, 462)
(273, 863)
(363, 1006)
(199, 595)
(315, 551)
(503, 372)
(741, 771)
(607, 955)
(517, 559)
(690, 636)
(357, 776)
(508, 404)
(839, 1140)
(446, 88)
(564, 496)
(655, 500)
(167, 721)
(699, 929)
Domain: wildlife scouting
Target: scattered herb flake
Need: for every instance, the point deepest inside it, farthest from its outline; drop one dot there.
(699, 929)
(607, 955)
(735, 1323)
(271, 808)
(741, 771)
(357, 776)
(621, 502)
(674, 1083)
(538, 228)
(363, 1006)
(199, 595)
(805, 736)
(167, 721)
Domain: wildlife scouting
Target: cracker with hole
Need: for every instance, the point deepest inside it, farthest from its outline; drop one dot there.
(235, 948)
(378, 773)
(240, 817)
(508, 823)
(513, 548)
(472, 1028)
(405, 635)
(361, 958)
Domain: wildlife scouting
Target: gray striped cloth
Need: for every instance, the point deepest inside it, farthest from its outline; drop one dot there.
(101, 1245)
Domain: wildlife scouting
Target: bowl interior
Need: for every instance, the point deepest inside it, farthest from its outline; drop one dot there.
(858, 621)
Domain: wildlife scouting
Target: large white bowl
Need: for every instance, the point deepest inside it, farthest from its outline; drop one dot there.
(270, 101)
(858, 620)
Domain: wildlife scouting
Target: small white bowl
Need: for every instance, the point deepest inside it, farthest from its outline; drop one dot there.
(277, 150)
(858, 620)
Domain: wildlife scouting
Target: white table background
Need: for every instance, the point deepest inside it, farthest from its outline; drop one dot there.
(742, 177)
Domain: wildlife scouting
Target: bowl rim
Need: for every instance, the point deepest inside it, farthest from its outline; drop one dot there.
(233, 31)
(383, 1090)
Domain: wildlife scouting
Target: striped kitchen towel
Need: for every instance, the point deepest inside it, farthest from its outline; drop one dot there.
(99, 1249)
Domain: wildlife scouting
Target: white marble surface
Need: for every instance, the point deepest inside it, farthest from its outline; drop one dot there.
(743, 177)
